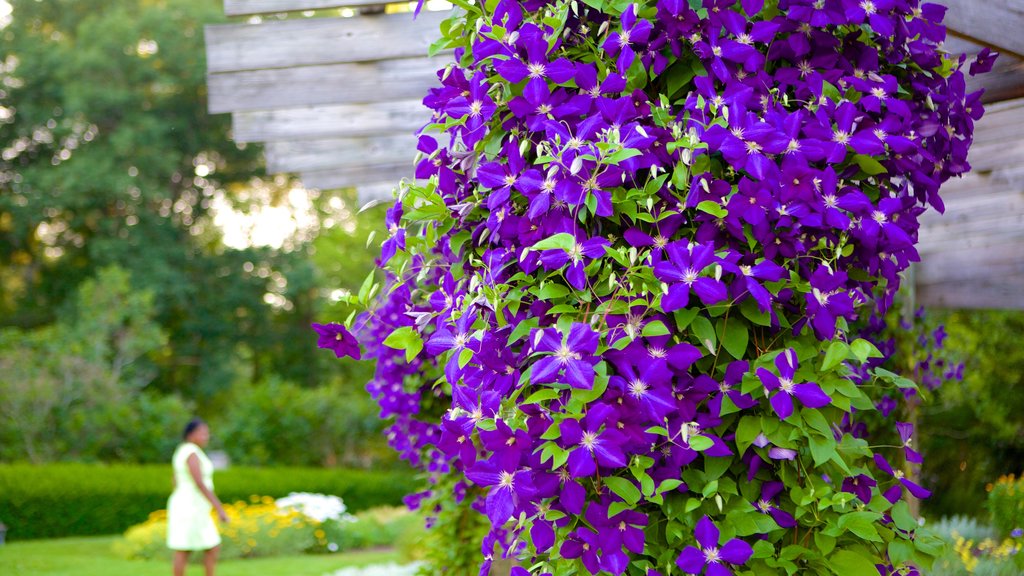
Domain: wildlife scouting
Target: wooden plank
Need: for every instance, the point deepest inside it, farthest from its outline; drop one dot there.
(250, 7)
(340, 120)
(995, 23)
(374, 193)
(973, 295)
(307, 155)
(311, 41)
(357, 175)
(382, 81)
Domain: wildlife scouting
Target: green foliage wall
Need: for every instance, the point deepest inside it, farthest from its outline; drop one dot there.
(78, 499)
(974, 432)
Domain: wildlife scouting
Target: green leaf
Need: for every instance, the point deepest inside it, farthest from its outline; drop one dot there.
(655, 328)
(900, 551)
(822, 449)
(747, 430)
(464, 357)
(700, 443)
(869, 165)
(863, 350)
(405, 338)
(624, 488)
(825, 543)
(564, 241)
(685, 317)
(624, 154)
(735, 338)
(668, 485)
(837, 352)
(552, 290)
(849, 563)
(702, 327)
(816, 420)
(542, 395)
(364, 290)
(713, 208)
(862, 524)
(902, 517)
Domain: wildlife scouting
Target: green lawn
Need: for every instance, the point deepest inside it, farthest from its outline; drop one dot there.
(93, 557)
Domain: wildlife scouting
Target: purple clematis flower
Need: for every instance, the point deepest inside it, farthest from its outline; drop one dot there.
(709, 557)
(906, 431)
(809, 393)
(893, 494)
(767, 504)
(634, 32)
(829, 299)
(594, 443)
(682, 271)
(509, 488)
(572, 355)
(336, 338)
(860, 485)
(578, 257)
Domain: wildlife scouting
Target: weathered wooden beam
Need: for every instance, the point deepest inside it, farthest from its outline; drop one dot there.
(251, 7)
(357, 175)
(311, 41)
(973, 295)
(308, 155)
(340, 120)
(387, 80)
(995, 23)
(379, 192)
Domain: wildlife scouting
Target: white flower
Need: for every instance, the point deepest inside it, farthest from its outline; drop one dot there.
(319, 507)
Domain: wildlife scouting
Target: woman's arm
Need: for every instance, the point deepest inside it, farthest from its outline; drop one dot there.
(197, 477)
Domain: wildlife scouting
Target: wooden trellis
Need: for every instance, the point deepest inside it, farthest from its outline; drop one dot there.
(335, 98)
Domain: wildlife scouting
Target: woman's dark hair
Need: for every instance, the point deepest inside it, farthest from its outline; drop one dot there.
(191, 427)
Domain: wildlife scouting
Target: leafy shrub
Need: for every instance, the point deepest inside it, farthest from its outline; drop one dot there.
(1006, 503)
(949, 528)
(276, 422)
(377, 527)
(58, 500)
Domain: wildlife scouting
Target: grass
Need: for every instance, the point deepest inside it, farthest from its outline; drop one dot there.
(94, 557)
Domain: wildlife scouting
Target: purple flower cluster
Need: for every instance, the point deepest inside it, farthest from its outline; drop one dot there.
(635, 235)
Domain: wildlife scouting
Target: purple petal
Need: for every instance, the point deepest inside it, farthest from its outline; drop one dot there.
(706, 533)
(736, 551)
(499, 505)
(811, 395)
(581, 463)
(783, 405)
(690, 560)
(542, 535)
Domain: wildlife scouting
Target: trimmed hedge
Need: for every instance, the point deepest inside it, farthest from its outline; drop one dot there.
(58, 500)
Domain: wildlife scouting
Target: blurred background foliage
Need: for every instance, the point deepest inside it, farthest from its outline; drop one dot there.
(148, 267)
(149, 270)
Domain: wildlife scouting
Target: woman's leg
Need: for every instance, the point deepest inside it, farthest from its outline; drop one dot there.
(180, 560)
(210, 560)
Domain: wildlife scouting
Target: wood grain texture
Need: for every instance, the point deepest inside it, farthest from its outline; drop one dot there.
(996, 23)
(308, 155)
(311, 41)
(339, 120)
(357, 175)
(387, 80)
(250, 7)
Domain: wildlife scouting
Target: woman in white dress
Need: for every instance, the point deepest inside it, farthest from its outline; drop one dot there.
(190, 525)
